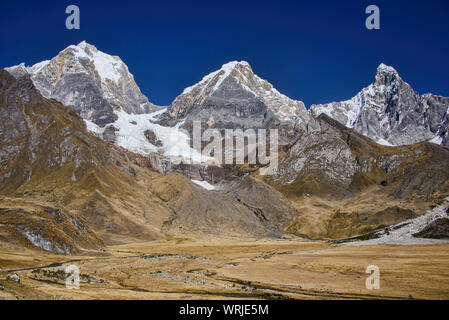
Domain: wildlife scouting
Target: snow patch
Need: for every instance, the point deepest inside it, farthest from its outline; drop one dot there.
(38, 66)
(39, 241)
(350, 109)
(437, 139)
(383, 142)
(204, 184)
(131, 136)
(93, 127)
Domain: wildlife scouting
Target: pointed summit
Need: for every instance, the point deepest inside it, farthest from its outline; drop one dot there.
(233, 96)
(18, 71)
(236, 81)
(88, 80)
(386, 75)
(82, 44)
(386, 69)
(219, 75)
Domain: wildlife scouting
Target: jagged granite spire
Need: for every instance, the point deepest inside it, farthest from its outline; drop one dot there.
(389, 111)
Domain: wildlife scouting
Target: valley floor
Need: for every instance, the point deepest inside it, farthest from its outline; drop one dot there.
(232, 269)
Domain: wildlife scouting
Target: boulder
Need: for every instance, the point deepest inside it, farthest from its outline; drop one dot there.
(14, 277)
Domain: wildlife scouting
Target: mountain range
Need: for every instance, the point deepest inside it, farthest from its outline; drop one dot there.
(86, 159)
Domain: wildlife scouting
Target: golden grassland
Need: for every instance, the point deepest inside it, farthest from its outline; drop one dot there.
(218, 268)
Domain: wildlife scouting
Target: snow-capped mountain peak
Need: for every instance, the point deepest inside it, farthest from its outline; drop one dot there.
(386, 76)
(89, 80)
(220, 74)
(108, 67)
(235, 81)
(389, 111)
(386, 69)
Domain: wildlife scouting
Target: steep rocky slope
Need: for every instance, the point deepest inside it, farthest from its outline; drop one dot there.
(89, 81)
(248, 207)
(389, 111)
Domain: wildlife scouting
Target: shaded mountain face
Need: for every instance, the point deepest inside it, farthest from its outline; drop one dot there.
(38, 134)
(234, 97)
(41, 140)
(88, 80)
(389, 111)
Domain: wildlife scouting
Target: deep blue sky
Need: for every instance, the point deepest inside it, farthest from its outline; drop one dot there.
(314, 51)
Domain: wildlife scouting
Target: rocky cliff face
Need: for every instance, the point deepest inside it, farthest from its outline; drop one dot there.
(389, 111)
(88, 80)
(37, 134)
(234, 97)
